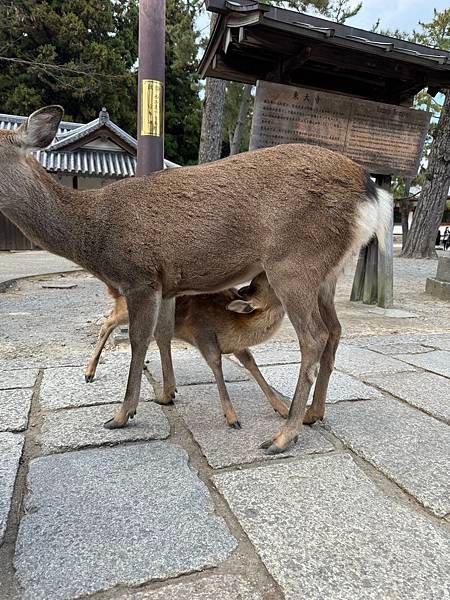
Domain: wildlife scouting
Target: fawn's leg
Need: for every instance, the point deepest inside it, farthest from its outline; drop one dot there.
(299, 294)
(163, 336)
(327, 309)
(91, 367)
(247, 360)
(143, 307)
(211, 353)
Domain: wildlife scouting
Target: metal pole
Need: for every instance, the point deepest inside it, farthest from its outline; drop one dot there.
(150, 151)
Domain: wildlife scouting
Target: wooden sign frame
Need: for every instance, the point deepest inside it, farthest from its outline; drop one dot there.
(386, 139)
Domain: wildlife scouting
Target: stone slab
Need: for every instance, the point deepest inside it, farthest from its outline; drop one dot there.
(392, 348)
(409, 447)
(83, 427)
(427, 391)
(276, 353)
(64, 387)
(392, 313)
(437, 361)
(16, 364)
(98, 518)
(359, 361)
(443, 269)
(325, 531)
(190, 368)
(25, 378)
(341, 387)
(225, 587)
(10, 452)
(223, 446)
(438, 289)
(14, 409)
(433, 340)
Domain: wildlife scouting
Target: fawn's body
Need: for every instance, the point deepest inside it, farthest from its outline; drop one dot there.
(203, 229)
(226, 322)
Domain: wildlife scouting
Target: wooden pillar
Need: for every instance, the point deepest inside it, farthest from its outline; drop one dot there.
(358, 281)
(386, 258)
(373, 281)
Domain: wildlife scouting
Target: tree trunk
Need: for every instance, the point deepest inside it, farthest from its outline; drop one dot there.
(235, 146)
(431, 205)
(404, 212)
(212, 119)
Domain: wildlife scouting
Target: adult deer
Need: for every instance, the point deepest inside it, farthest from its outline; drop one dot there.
(294, 211)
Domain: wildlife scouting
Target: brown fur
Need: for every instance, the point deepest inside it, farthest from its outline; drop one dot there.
(208, 322)
(291, 211)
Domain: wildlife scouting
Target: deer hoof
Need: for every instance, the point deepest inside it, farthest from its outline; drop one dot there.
(89, 378)
(119, 421)
(311, 418)
(235, 425)
(113, 424)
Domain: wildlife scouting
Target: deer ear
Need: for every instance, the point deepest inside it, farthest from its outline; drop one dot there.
(41, 127)
(240, 306)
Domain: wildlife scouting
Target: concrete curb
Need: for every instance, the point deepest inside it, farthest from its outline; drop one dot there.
(11, 284)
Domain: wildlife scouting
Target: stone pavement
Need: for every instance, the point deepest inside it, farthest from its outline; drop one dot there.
(179, 506)
(15, 265)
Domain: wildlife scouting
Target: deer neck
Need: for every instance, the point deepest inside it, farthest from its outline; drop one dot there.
(47, 212)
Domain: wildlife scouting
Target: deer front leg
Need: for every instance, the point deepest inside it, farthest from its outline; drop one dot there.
(247, 360)
(143, 308)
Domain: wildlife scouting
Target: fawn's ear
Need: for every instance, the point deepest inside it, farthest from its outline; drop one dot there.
(41, 127)
(240, 306)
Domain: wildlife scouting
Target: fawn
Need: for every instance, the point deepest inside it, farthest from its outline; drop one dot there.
(226, 322)
(205, 229)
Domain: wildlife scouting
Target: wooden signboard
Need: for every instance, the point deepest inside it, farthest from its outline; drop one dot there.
(386, 139)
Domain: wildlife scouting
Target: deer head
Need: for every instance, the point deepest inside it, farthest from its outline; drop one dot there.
(36, 132)
(258, 295)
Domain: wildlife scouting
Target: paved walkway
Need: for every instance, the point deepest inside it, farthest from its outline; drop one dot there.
(187, 508)
(14, 265)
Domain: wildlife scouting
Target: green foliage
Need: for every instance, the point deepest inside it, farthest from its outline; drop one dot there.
(77, 53)
(182, 102)
(82, 54)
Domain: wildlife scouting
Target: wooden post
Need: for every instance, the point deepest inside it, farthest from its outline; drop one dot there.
(358, 281)
(386, 258)
(150, 149)
(374, 275)
(370, 291)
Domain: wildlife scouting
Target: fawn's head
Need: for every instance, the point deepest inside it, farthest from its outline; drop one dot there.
(258, 295)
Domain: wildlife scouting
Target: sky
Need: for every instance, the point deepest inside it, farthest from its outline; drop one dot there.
(396, 14)
(393, 14)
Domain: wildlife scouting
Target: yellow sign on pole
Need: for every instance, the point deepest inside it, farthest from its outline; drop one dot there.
(152, 107)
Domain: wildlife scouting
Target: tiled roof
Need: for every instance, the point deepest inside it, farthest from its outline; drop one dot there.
(84, 161)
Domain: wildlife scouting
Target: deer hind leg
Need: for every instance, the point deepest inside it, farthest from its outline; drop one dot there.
(118, 316)
(143, 308)
(164, 333)
(301, 303)
(327, 309)
(247, 360)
